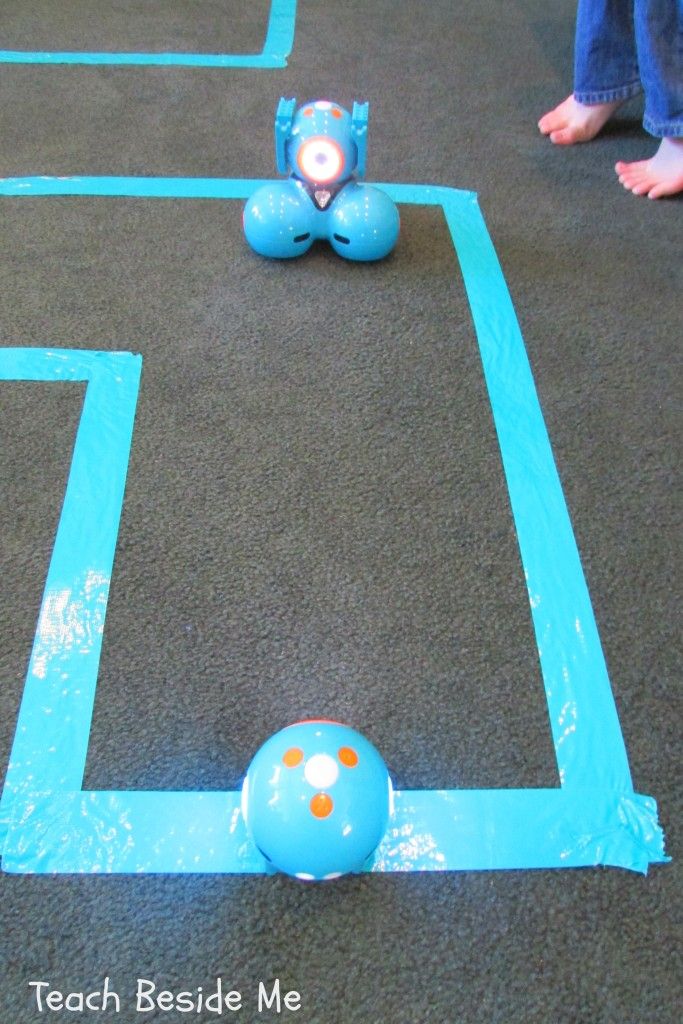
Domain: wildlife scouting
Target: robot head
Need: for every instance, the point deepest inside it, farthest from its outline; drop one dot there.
(316, 799)
(321, 142)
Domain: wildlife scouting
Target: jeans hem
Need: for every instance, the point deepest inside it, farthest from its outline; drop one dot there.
(622, 92)
(663, 129)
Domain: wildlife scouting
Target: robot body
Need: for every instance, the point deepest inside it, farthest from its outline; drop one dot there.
(317, 799)
(322, 144)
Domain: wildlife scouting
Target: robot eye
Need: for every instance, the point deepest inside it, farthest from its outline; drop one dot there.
(320, 160)
(308, 112)
(292, 757)
(348, 756)
(336, 112)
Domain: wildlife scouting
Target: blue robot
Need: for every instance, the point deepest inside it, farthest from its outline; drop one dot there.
(316, 800)
(322, 145)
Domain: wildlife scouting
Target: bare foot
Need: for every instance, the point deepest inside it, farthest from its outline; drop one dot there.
(573, 122)
(661, 175)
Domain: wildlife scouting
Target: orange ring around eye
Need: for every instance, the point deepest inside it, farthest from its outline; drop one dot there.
(292, 757)
(348, 756)
(321, 805)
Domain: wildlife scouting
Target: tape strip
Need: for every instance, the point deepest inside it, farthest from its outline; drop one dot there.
(593, 817)
(277, 47)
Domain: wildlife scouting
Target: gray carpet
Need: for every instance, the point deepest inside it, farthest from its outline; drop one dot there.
(316, 521)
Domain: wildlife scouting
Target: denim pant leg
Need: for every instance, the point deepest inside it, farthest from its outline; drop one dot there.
(605, 58)
(659, 43)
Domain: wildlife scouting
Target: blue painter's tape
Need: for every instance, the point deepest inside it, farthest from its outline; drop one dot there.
(277, 47)
(49, 750)
(593, 817)
(145, 188)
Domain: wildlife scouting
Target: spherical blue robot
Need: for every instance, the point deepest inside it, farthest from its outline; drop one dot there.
(316, 800)
(322, 144)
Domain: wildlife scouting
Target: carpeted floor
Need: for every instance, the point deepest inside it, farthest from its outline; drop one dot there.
(316, 521)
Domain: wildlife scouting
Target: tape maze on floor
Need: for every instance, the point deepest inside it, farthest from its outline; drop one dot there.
(48, 823)
(278, 42)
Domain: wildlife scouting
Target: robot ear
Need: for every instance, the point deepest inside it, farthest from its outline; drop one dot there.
(359, 133)
(283, 126)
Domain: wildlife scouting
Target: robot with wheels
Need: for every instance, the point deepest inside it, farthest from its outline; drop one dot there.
(322, 145)
(316, 800)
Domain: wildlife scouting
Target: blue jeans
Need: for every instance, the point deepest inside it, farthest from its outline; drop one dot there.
(624, 47)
